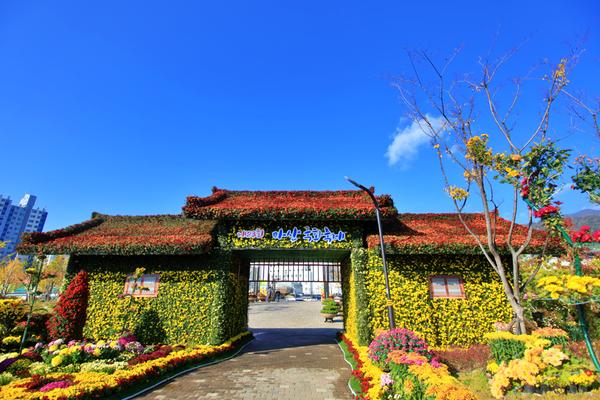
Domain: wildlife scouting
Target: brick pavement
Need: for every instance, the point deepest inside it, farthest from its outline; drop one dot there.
(294, 356)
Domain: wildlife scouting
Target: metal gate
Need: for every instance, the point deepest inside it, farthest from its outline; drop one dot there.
(277, 273)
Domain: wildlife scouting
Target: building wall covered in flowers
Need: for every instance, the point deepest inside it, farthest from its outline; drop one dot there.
(440, 321)
(203, 273)
(201, 300)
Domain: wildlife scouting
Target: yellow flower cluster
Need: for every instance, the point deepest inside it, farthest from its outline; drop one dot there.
(569, 287)
(526, 370)
(457, 193)
(11, 340)
(478, 151)
(516, 157)
(530, 341)
(350, 306)
(513, 173)
(550, 332)
(371, 372)
(11, 310)
(492, 367)
(440, 384)
(560, 72)
(517, 370)
(441, 322)
(553, 356)
(97, 383)
(583, 379)
(469, 175)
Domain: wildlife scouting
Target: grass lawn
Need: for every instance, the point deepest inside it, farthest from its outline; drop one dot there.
(478, 383)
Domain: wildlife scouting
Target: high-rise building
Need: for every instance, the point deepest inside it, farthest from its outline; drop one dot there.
(16, 219)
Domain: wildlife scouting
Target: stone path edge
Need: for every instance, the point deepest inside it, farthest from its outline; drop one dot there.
(216, 360)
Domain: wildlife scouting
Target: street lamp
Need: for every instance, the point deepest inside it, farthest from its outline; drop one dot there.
(382, 246)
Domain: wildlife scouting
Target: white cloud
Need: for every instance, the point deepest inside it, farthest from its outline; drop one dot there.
(407, 141)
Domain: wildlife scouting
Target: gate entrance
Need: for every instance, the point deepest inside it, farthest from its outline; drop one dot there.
(295, 275)
(300, 279)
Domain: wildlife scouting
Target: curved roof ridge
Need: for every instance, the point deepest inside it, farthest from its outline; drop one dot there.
(287, 204)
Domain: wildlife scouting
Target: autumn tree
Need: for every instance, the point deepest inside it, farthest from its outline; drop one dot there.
(56, 270)
(506, 162)
(12, 274)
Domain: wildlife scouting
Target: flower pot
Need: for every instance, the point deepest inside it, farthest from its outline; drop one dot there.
(571, 389)
(329, 317)
(529, 389)
(575, 389)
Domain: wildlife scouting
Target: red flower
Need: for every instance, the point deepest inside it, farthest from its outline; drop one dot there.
(353, 204)
(583, 235)
(434, 231)
(70, 310)
(546, 210)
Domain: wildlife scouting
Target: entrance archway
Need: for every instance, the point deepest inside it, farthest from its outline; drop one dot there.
(293, 274)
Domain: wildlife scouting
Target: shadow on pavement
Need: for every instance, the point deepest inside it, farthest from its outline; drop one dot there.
(271, 339)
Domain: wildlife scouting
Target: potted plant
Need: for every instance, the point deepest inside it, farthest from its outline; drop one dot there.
(330, 309)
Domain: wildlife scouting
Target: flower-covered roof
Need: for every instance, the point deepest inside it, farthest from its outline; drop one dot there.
(444, 233)
(194, 232)
(124, 235)
(296, 205)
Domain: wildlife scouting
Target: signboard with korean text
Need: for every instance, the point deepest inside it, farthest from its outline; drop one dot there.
(308, 234)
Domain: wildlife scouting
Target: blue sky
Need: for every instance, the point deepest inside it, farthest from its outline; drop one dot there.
(128, 107)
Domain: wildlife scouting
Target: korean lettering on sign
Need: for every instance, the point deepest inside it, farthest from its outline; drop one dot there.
(310, 234)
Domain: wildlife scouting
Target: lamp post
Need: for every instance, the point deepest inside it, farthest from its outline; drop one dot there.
(382, 246)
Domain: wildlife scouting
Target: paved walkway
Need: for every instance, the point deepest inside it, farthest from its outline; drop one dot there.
(294, 356)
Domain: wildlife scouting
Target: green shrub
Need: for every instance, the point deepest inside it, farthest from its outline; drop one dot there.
(330, 307)
(556, 340)
(149, 329)
(504, 350)
(102, 366)
(6, 378)
(20, 365)
(39, 368)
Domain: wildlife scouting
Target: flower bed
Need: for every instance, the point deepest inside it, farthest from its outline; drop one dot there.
(536, 363)
(569, 288)
(85, 370)
(410, 370)
(358, 370)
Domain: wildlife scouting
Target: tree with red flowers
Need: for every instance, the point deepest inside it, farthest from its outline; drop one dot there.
(70, 311)
(523, 161)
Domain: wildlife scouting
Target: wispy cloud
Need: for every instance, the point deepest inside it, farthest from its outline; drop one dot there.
(407, 141)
